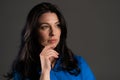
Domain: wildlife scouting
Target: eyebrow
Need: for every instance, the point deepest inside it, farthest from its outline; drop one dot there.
(48, 23)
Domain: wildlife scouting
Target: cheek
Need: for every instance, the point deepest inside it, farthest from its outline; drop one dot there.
(43, 35)
(59, 33)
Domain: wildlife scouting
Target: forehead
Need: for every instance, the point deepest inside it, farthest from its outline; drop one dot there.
(48, 17)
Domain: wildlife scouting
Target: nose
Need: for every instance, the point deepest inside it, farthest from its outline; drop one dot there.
(52, 31)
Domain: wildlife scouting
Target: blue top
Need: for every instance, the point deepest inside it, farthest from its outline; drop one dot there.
(85, 74)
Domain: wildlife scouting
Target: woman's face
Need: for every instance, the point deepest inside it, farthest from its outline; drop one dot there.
(49, 30)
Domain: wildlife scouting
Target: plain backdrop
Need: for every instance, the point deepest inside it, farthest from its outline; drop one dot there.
(93, 32)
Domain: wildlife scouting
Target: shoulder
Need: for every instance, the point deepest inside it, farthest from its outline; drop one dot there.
(85, 68)
(16, 76)
(79, 59)
(81, 62)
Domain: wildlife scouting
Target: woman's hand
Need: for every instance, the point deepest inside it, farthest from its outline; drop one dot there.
(47, 57)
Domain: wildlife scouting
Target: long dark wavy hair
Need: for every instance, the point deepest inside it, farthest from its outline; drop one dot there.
(27, 62)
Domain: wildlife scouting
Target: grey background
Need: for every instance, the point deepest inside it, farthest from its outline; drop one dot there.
(93, 32)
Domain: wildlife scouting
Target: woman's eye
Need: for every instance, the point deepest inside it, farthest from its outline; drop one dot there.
(58, 25)
(44, 27)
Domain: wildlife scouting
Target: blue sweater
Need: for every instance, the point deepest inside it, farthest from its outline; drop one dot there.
(85, 74)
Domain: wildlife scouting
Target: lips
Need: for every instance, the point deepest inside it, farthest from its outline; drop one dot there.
(52, 40)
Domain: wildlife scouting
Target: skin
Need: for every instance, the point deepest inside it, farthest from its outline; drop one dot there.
(49, 29)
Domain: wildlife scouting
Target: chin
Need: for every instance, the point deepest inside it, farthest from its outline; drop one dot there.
(55, 44)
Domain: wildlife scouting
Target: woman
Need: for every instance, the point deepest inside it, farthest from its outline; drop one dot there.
(44, 54)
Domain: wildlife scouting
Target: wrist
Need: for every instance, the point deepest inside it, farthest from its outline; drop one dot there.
(45, 71)
(45, 75)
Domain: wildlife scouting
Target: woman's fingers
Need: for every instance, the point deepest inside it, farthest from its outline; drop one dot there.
(50, 53)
